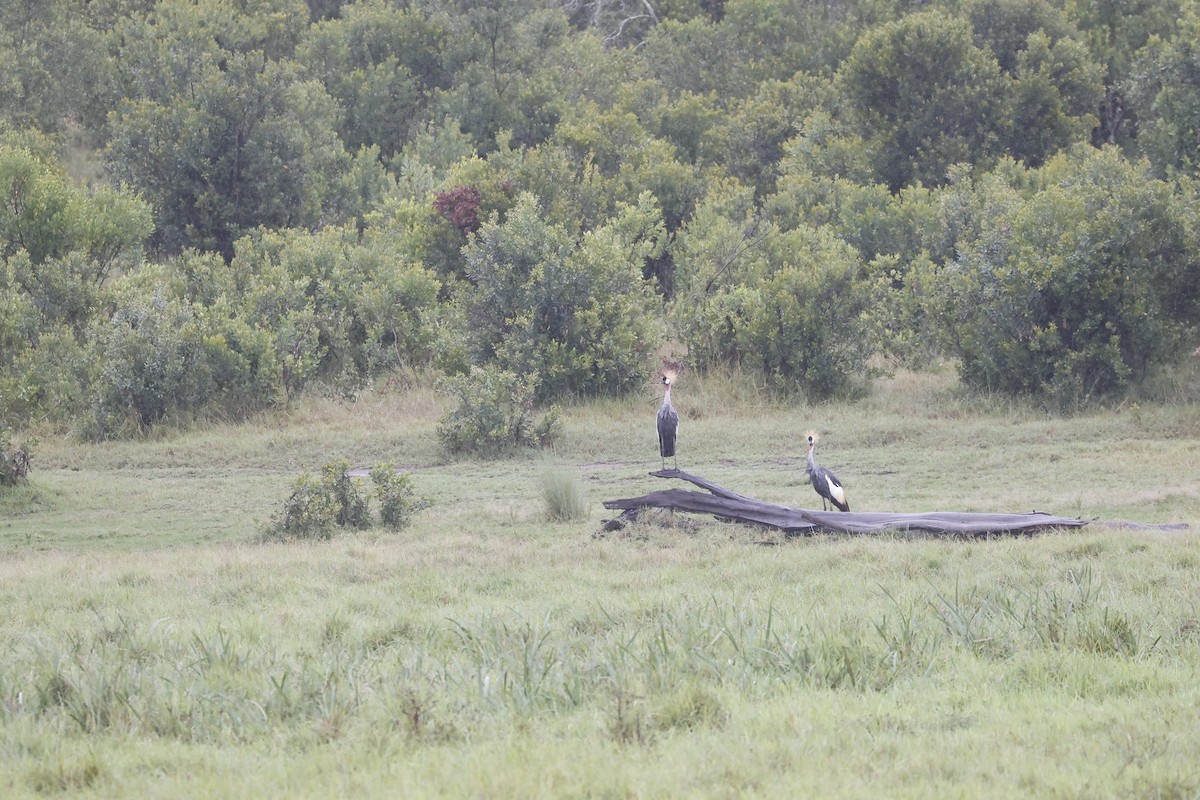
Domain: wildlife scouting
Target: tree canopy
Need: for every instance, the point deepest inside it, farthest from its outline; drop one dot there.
(208, 206)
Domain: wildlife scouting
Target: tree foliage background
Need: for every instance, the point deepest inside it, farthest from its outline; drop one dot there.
(209, 206)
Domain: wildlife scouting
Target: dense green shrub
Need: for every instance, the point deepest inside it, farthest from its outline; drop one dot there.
(162, 357)
(867, 216)
(342, 310)
(42, 365)
(14, 461)
(46, 216)
(318, 506)
(396, 496)
(900, 320)
(151, 352)
(495, 413)
(572, 309)
(808, 331)
(59, 244)
(194, 336)
(788, 305)
(44, 380)
(1072, 283)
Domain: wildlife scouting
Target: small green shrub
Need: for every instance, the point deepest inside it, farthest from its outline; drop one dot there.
(308, 513)
(495, 413)
(318, 506)
(14, 461)
(396, 496)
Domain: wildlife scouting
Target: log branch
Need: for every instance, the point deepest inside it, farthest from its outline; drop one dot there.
(725, 504)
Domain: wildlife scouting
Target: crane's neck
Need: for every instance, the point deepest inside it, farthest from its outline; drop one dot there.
(667, 396)
(812, 465)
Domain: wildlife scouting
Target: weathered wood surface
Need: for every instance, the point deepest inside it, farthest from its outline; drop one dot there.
(729, 505)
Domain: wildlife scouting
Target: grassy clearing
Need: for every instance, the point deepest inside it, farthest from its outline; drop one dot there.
(154, 647)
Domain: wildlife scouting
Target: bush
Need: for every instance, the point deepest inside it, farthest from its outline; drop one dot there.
(494, 414)
(808, 331)
(310, 512)
(318, 506)
(787, 304)
(150, 366)
(573, 309)
(1078, 289)
(394, 491)
(161, 357)
(43, 379)
(14, 461)
(342, 311)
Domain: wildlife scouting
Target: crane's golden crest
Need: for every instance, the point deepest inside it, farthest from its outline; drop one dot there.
(671, 370)
(811, 437)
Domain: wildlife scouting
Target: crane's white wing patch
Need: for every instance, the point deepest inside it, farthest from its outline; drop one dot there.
(838, 493)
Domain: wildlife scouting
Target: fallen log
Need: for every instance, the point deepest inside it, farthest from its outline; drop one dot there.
(726, 504)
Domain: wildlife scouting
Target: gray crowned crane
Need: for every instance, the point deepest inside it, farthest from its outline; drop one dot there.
(824, 481)
(668, 426)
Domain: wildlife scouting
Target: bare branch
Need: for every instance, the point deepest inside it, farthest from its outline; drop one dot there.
(615, 16)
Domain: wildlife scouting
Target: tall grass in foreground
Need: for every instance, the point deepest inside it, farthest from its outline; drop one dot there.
(213, 682)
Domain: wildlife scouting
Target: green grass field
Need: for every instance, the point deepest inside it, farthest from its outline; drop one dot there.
(154, 646)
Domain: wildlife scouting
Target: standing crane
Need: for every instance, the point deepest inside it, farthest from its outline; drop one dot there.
(668, 426)
(824, 481)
